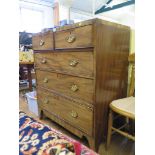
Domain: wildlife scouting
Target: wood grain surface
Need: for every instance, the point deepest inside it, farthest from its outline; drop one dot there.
(99, 77)
(79, 116)
(46, 37)
(64, 83)
(63, 62)
(83, 38)
(111, 54)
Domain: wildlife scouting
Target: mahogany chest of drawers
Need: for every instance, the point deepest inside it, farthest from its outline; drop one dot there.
(80, 69)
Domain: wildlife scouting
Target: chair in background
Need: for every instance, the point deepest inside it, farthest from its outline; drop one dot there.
(123, 107)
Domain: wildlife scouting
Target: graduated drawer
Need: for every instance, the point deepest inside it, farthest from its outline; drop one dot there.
(71, 86)
(74, 38)
(43, 41)
(74, 63)
(79, 116)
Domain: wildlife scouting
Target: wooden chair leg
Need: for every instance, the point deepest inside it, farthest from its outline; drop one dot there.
(132, 126)
(127, 127)
(110, 123)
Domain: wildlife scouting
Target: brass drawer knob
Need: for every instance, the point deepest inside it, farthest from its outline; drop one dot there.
(74, 114)
(73, 63)
(71, 38)
(41, 43)
(43, 61)
(74, 88)
(46, 101)
(45, 80)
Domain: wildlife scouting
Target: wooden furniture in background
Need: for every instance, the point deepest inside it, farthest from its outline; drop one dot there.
(124, 107)
(29, 66)
(80, 69)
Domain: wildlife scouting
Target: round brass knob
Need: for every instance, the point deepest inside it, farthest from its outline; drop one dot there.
(73, 63)
(46, 101)
(74, 88)
(80, 24)
(43, 61)
(74, 114)
(41, 43)
(45, 80)
(71, 38)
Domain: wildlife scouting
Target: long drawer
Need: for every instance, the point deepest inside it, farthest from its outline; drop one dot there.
(74, 38)
(74, 63)
(43, 41)
(79, 116)
(76, 87)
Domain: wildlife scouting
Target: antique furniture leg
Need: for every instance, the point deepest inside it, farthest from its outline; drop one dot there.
(40, 113)
(132, 126)
(29, 77)
(110, 123)
(92, 143)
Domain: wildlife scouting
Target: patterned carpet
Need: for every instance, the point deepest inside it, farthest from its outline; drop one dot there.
(36, 138)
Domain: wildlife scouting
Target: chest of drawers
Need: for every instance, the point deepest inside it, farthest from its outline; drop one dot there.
(80, 69)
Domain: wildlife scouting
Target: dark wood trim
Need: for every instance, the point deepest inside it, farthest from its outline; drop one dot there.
(66, 73)
(83, 103)
(88, 47)
(81, 49)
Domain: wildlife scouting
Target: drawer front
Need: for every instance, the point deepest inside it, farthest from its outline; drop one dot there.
(74, 38)
(43, 41)
(77, 115)
(74, 63)
(75, 87)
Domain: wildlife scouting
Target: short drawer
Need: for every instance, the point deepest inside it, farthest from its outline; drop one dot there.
(74, 63)
(74, 38)
(43, 41)
(79, 116)
(71, 86)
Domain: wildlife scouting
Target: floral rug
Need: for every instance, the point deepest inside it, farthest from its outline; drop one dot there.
(36, 138)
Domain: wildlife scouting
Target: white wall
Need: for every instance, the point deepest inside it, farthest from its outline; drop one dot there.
(47, 12)
(78, 16)
(123, 16)
(63, 12)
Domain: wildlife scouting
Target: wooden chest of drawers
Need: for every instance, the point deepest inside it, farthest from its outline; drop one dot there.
(80, 69)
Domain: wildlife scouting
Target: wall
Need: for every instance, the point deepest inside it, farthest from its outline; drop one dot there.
(78, 15)
(63, 12)
(47, 11)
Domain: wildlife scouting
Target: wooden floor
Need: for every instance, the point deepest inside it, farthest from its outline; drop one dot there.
(119, 144)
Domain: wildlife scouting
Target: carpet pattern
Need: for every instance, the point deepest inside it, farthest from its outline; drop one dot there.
(36, 138)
